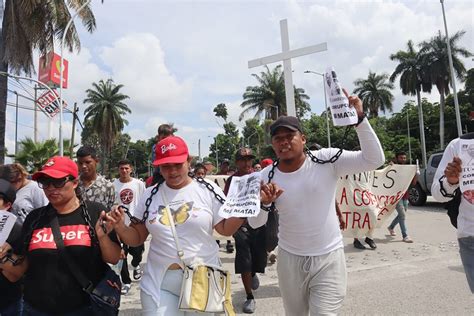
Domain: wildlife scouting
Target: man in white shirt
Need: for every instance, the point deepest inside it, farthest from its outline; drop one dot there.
(311, 265)
(128, 191)
(445, 183)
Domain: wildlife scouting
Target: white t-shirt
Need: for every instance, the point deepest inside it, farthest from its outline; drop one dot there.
(195, 212)
(128, 194)
(308, 224)
(28, 198)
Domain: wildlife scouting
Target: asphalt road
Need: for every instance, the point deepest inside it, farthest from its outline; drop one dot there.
(422, 278)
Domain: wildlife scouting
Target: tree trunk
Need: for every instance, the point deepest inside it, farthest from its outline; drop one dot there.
(422, 129)
(3, 88)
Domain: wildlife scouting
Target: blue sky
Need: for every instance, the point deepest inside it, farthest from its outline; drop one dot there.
(178, 59)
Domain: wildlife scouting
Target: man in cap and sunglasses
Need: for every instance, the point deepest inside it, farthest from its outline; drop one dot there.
(250, 254)
(49, 285)
(311, 265)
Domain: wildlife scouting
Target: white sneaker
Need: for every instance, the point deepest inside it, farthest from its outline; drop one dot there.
(407, 239)
(125, 289)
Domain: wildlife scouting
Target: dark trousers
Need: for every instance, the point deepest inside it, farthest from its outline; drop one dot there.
(137, 254)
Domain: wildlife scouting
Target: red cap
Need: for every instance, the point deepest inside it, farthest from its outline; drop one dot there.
(57, 167)
(171, 149)
(266, 162)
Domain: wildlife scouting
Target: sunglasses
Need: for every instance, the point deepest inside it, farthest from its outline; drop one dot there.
(46, 182)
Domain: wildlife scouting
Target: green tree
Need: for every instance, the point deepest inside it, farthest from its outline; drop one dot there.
(221, 111)
(375, 93)
(106, 111)
(435, 58)
(413, 80)
(269, 98)
(225, 144)
(253, 134)
(29, 25)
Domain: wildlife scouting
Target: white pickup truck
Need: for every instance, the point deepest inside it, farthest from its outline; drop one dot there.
(422, 189)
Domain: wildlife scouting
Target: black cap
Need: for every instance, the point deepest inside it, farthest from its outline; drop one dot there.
(290, 122)
(243, 153)
(225, 161)
(7, 191)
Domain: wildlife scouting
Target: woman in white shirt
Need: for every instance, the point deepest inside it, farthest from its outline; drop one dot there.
(195, 211)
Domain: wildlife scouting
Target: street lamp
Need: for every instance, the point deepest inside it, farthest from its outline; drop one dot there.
(61, 145)
(258, 145)
(325, 102)
(453, 78)
(217, 155)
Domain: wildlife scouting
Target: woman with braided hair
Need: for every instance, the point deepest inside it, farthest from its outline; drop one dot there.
(50, 287)
(194, 206)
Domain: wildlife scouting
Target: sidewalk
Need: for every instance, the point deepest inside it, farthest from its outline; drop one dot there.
(425, 277)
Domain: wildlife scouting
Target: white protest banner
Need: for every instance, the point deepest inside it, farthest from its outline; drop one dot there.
(341, 113)
(466, 154)
(7, 220)
(367, 199)
(243, 198)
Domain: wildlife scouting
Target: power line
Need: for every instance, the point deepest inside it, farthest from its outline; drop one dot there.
(20, 124)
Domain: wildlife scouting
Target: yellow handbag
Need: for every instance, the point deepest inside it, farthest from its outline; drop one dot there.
(205, 288)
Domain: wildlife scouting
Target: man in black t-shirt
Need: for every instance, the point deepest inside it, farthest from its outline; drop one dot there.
(251, 254)
(49, 285)
(10, 297)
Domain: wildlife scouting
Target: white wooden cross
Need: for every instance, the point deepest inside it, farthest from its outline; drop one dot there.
(286, 56)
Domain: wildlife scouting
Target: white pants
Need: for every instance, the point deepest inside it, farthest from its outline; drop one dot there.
(169, 298)
(312, 285)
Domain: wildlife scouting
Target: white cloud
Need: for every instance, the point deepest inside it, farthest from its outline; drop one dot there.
(137, 61)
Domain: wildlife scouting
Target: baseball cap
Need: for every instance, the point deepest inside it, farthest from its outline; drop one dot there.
(290, 122)
(172, 149)
(244, 152)
(57, 167)
(266, 162)
(7, 191)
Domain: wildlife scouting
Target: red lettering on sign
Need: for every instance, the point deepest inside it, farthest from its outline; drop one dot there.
(344, 196)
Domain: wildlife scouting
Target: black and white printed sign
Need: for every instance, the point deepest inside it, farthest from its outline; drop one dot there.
(243, 198)
(342, 114)
(7, 220)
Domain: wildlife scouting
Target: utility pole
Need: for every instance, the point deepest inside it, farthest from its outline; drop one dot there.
(74, 115)
(35, 123)
(16, 125)
(409, 144)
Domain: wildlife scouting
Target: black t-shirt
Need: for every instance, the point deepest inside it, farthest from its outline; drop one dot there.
(11, 292)
(49, 285)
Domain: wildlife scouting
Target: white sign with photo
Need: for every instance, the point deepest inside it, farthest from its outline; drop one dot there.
(342, 114)
(243, 198)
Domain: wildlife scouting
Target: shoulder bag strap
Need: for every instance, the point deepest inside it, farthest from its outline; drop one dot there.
(172, 227)
(85, 283)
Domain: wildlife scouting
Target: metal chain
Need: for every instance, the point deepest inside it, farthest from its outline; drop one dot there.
(210, 188)
(315, 159)
(443, 190)
(88, 220)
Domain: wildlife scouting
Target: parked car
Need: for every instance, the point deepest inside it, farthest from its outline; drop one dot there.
(422, 189)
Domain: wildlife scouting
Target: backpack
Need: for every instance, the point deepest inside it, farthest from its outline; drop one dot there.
(453, 207)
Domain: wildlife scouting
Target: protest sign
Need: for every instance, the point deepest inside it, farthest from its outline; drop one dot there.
(7, 220)
(341, 112)
(367, 199)
(466, 154)
(243, 198)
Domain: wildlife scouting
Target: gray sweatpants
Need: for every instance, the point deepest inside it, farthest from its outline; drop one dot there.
(312, 285)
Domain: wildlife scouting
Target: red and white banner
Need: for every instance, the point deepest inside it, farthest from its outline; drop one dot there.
(49, 103)
(73, 235)
(367, 199)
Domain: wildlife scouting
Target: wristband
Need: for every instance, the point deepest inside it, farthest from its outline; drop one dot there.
(361, 118)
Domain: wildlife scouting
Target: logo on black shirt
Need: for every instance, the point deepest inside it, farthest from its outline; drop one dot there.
(73, 235)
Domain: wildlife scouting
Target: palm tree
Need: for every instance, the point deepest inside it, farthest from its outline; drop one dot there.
(33, 155)
(29, 25)
(412, 81)
(435, 58)
(375, 93)
(106, 112)
(269, 96)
